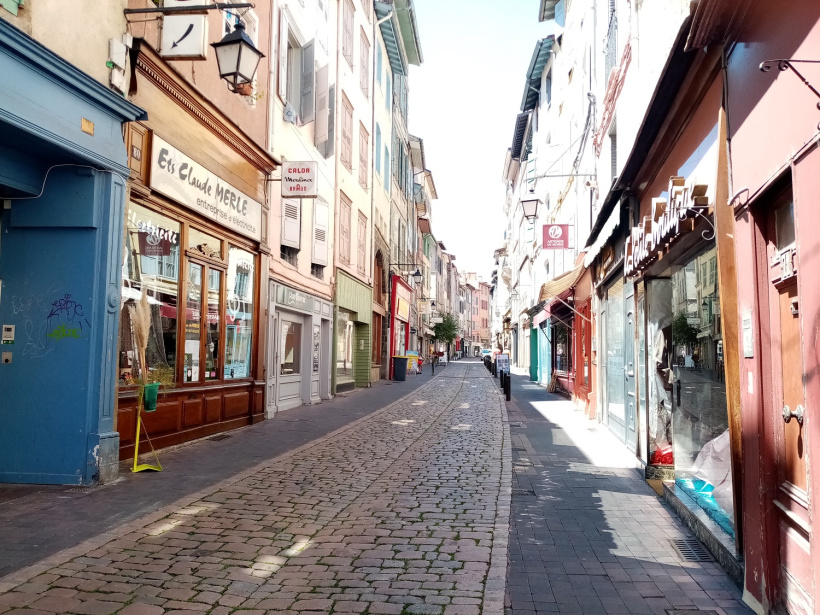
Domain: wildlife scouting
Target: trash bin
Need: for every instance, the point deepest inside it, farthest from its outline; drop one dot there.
(149, 396)
(400, 368)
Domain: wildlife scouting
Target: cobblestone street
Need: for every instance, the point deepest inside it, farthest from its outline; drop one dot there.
(404, 511)
(435, 503)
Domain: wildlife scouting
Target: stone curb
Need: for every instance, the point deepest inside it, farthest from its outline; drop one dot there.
(496, 583)
(19, 577)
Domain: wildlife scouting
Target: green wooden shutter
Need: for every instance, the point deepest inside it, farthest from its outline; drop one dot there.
(11, 5)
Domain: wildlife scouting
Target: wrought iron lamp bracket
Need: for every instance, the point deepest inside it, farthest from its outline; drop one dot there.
(788, 64)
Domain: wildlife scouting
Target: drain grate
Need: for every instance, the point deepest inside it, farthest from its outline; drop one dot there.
(689, 612)
(523, 492)
(519, 450)
(222, 436)
(690, 550)
(81, 489)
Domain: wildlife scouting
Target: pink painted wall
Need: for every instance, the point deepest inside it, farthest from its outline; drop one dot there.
(772, 115)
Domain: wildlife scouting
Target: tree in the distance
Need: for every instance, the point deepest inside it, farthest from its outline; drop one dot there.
(446, 330)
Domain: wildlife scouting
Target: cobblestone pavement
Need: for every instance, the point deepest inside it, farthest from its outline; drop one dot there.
(588, 535)
(403, 511)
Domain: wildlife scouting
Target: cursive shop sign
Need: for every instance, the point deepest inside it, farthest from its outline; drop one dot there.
(657, 230)
(179, 177)
(299, 179)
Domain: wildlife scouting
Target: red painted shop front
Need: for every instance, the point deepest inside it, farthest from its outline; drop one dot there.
(400, 299)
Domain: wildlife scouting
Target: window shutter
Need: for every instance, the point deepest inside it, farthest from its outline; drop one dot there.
(320, 224)
(291, 222)
(344, 231)
(378, 63)
(308, 104)
(364, 140)
(283, 56)
(378, 150)
(321, 126)
(361, 238)
(330, 144)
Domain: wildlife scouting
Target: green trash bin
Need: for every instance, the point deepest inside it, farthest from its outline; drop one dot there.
(400, 368)
(149, 396)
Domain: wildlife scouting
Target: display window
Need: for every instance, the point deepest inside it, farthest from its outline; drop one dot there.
(216, 279)
(291, 348)
(699, 417)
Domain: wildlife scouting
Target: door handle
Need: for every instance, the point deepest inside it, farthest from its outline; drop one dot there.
(797, 413)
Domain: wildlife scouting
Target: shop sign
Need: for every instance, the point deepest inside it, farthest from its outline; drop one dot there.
(403, 309)
(437, 320)
(293, 298)
(177, 176)
(556, 236)
(299, 180)
(184, 36)
(748, 334)
(657, 230)
(316, 346)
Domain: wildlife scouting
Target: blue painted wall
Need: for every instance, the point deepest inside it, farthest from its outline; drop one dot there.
(58, 259)
(60, 262)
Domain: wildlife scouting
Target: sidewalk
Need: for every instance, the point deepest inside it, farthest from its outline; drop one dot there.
(37, 521)
(588, 535)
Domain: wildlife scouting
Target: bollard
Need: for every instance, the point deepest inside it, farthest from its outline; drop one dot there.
(508, 386)
(678, 393)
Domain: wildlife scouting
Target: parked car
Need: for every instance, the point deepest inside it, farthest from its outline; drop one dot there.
(486, 352)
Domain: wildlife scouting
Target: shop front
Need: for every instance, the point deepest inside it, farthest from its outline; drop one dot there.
(401, 298)
(351, 331)
(299, 335)
(675, 300)
(63, 171)
(192, 266)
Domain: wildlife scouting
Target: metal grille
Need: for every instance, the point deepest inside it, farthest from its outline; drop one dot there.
(690, 550)
(222, 436)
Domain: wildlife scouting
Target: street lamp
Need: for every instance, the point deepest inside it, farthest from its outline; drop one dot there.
(237, 59)
(530, 206)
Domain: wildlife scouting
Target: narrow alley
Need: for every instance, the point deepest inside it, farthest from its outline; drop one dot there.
(435, 503)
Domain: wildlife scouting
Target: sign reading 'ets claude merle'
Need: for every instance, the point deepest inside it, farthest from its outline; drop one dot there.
(299, 180)
(179, 177)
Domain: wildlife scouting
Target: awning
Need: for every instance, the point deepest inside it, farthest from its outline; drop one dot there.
(540, 317)
(606, 232)
(561, 284)
(429, 331)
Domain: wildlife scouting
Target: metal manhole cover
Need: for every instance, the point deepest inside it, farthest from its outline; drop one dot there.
(222, 436)
(523, 492)
(690, 550)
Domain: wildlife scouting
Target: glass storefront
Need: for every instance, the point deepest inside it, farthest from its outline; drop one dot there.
(700, 422)
(218, 292)
(614, 349)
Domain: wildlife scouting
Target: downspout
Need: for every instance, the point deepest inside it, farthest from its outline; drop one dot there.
(336, 204)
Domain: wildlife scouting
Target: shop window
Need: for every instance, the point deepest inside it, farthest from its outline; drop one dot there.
(784, 226)
(205, 244)
(239, 314)
(563, 347)
(212, 326)
(151, 266)
(317, 271)
(345, 329)
(193, 317)
(290, 362)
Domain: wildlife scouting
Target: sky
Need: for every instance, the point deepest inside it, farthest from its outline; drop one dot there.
(463, 102)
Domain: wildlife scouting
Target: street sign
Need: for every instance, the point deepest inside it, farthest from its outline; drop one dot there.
(299, 179)
(436, 319)
(556, 236)
(502, 362)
